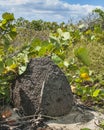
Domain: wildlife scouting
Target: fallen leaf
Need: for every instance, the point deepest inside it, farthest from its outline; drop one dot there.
(6, 114)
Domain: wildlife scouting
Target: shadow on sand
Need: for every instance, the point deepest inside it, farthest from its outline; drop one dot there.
(78, 116)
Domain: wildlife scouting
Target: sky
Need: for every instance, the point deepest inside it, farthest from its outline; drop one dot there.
(50, 10)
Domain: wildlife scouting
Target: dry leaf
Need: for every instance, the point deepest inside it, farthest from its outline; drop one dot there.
(6, 114)
(73, 88)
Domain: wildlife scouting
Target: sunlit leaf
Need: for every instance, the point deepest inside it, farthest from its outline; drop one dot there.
(4, 21)
(92, 37)
(81, 26)
(66, 63)
(37, 48)
(96, 92)
(65, 36)
(59, 31)
(22, 69)
(13, 29)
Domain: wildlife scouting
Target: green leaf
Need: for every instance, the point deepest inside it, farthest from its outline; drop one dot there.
(53, 38)
(85, 129)
(13, 34)
(81, 26)
(0, 24)
(93, 37)
(8, 16)
(84, 69)
(37, 48)
(66, 63)
(13, 29)
(101, 124)
(65, 36)
(22, 69)
(56, 59)
(1, 66)
(82, 54)
(6, 42)
(96, 92)
(59, 31)
(9, 62)
(4, 21)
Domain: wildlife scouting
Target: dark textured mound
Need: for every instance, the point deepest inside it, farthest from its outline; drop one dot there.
(43, 88)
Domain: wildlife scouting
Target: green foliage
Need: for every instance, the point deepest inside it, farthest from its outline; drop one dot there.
(12, 60)
(85, 129)
(1, 66)
(101, 124)
(99, 12)
(77, 52)
(37, 25)
(8, 30)
(7, 16)
(82, 73)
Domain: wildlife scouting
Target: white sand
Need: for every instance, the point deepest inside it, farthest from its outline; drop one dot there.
(76, 120)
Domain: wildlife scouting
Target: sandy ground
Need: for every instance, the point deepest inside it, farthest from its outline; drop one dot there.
(76, 120)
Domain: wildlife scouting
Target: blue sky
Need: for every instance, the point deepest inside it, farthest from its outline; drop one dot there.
(83, 2)
(50, 10)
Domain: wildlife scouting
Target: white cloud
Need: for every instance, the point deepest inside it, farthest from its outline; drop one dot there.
(56, 10)
(13, 2)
